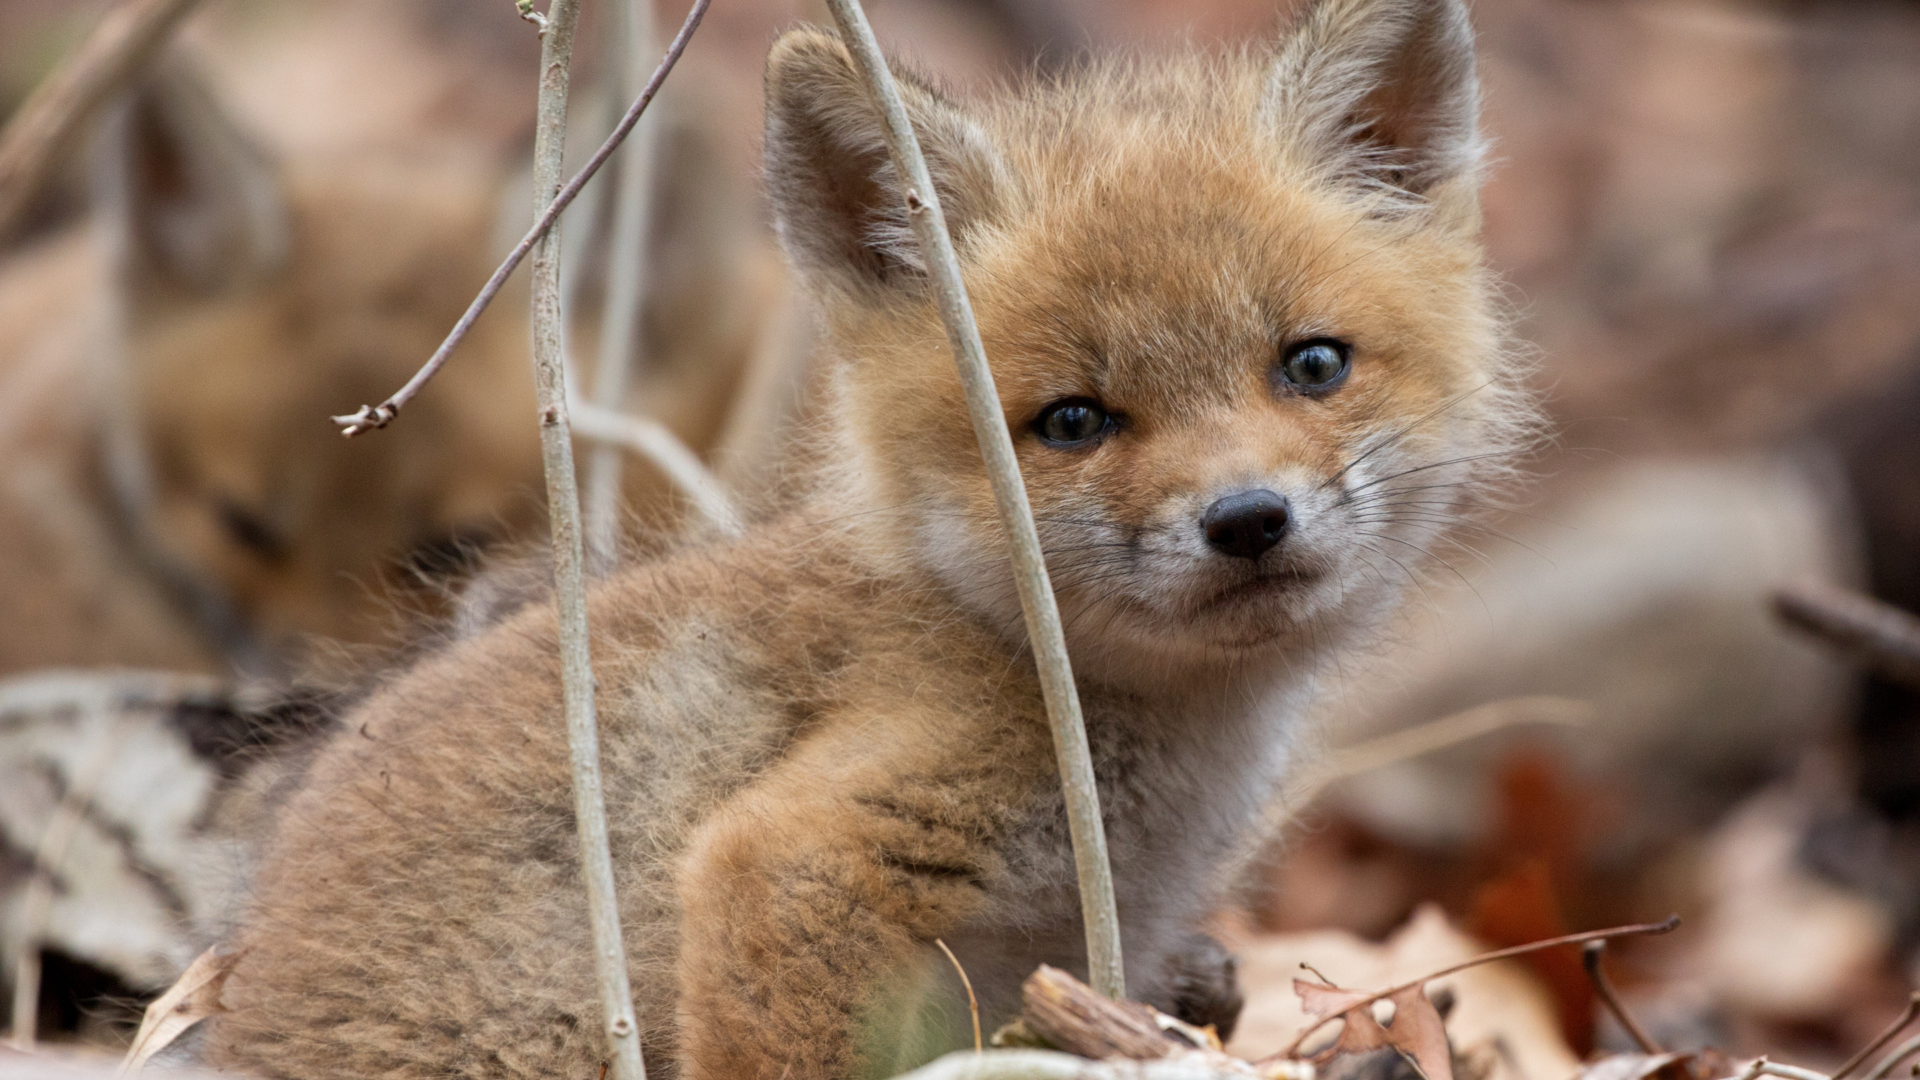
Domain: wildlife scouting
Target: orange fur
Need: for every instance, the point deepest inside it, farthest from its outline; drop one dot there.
(824, 743)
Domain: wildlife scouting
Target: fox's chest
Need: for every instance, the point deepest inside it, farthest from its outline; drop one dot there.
(1179, 794)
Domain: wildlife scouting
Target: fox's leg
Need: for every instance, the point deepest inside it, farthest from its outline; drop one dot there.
(811, 892)
(1203, 985)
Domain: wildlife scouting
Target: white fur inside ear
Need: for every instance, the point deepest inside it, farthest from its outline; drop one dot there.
(891, 233)
(1380, 94)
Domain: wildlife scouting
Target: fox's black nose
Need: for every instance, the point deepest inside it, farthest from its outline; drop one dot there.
(1246, 524)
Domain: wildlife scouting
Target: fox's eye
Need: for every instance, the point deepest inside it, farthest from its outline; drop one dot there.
(1316, 364)
(1073, 421)
(251, 531)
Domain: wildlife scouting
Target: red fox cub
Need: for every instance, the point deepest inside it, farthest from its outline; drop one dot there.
(1242, 330)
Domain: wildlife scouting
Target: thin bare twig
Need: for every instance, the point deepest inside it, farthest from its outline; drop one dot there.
(1592, 958)
(45, 125)
(1016, 516)
(626, 283)
(379, 416)
(622, 1029)
(664, 450)
(1894, 1058)
(1899, 1024)
(1763, 1067)
(1302, 789)
(973, 1003)
(1877, 635)
(1667, 925)
(1434, 735)
(1318, 974)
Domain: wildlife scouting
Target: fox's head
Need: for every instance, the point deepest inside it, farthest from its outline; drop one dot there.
(1235, 307)
(255, 300)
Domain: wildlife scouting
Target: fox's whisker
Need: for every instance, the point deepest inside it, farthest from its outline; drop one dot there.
(1464, 459)
(1402, 433)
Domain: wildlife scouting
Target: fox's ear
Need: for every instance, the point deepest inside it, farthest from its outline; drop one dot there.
(195, 204)
(1382, 93)
(835, 192)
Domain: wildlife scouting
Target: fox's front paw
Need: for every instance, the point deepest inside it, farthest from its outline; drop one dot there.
(1203, 983)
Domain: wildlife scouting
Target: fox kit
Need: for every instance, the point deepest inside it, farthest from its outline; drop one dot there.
(1240, 324)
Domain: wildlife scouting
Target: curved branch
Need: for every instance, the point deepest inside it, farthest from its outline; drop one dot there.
(1874, 633)
(379, 416)
(663, 449)
(1666, 925)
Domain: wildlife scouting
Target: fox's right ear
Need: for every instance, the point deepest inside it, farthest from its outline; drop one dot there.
(836, 195)
(194, 204)
(1382, 94)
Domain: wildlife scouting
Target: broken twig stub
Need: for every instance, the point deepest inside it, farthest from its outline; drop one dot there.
(1875, 634)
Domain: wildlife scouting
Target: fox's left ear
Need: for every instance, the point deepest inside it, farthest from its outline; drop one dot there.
(197, 205)
(842, 213)
(1382, 93)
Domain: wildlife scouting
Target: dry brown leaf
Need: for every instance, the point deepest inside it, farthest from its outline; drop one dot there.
(1417, 1031)
(192, 998)
(1501, 1002)
(1359, 1031)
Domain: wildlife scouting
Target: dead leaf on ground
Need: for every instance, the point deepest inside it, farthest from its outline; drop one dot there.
(192, 998)
(1359, 1033)
(1416, 1031)
(1496, 1004)
(1419, 1032)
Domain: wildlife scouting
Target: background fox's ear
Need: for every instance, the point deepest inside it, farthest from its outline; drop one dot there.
(835, 193)
(1382, 93)
(195, 204)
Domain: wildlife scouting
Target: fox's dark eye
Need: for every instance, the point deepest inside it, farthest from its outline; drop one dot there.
(1316, 365)
(251, 531)
(1073, 421)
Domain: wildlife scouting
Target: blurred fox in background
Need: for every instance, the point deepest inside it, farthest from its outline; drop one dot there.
(174, 495)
